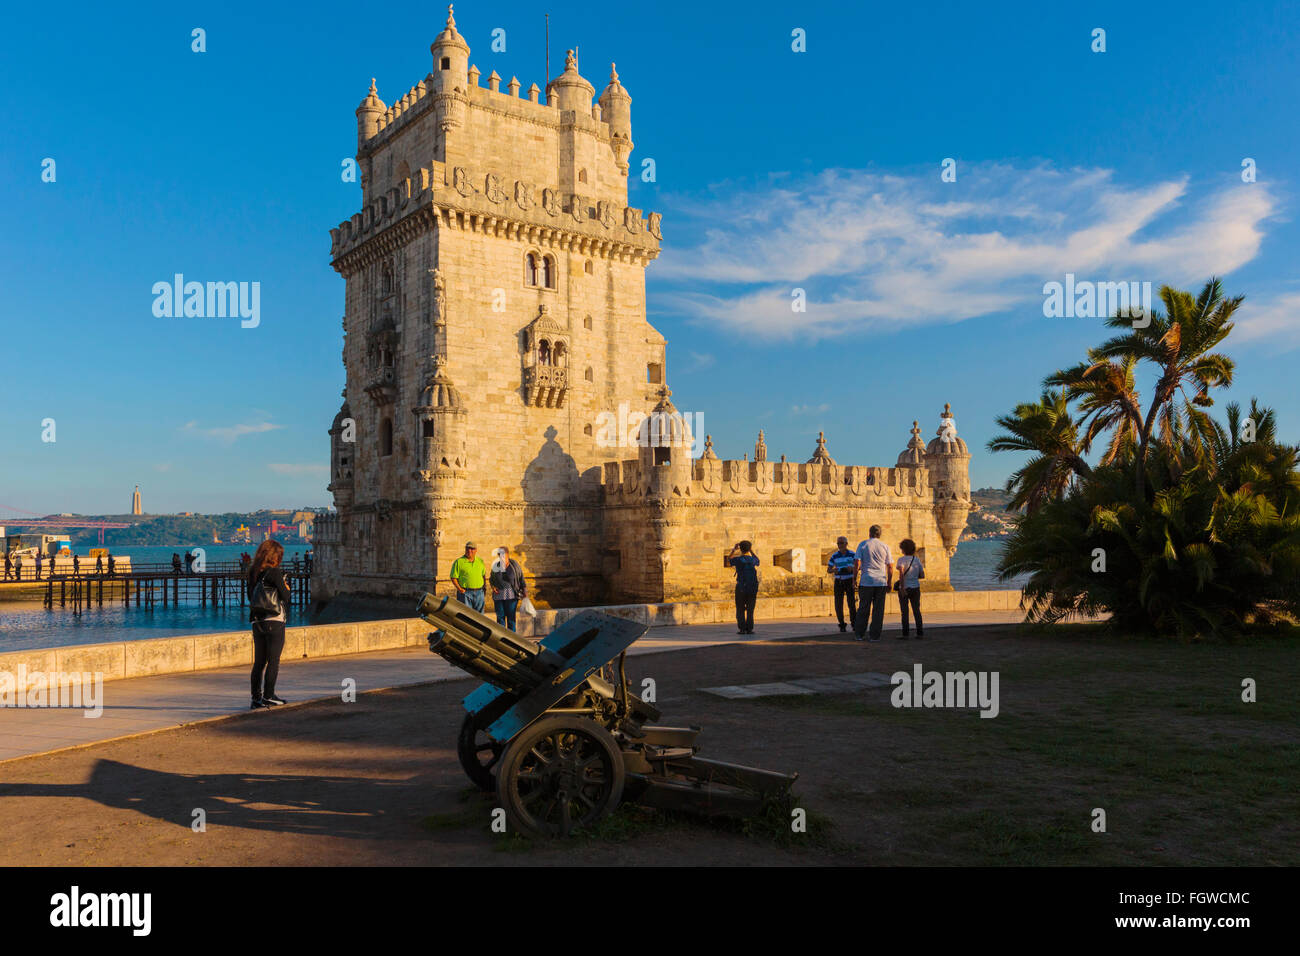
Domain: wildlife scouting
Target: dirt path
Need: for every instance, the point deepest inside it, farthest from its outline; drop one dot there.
(1084, 722)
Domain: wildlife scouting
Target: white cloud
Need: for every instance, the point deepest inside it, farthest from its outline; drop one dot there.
(1274, 321)
(809, 409)
(875, 251)
(230, 433)
(282, 469)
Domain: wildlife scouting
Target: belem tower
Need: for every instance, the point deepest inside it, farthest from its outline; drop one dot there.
(495, 309)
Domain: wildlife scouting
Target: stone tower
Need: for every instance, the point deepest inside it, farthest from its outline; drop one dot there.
(494, 308)
(136, 509)
(949, 462)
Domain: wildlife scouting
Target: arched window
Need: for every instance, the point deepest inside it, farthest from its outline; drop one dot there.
(548, 272)
(530, 269)
(586, 323)
(386, 280)
(386, 437)
(559, 356)
(587, 268)
(543, 352)
(589, 375)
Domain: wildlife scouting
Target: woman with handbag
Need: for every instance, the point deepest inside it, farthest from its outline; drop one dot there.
(910, 571)
(508, 587)
(268, 596)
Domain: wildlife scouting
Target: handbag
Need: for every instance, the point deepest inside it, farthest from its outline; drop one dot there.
(265, 601)
(526, 607)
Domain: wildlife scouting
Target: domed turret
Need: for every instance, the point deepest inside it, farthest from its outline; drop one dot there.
(949, 463)
(441, 415)
(820, 455)
(570, 90)
(342, 449)
(368, 113)
(913, 456)
(450, 57)
(616, 110)
(664, 443)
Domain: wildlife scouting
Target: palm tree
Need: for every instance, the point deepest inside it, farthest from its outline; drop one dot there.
(1047, 429)
(1179, 343)
(1109, 400)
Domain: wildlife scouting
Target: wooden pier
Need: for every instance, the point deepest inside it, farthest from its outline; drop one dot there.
(218, 585)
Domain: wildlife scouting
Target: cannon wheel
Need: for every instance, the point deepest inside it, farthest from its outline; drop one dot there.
(478, 752)
(560, 774)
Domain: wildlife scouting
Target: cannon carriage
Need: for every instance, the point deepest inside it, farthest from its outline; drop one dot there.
(556, 732)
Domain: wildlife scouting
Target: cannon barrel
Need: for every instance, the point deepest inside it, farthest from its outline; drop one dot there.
(479, 646)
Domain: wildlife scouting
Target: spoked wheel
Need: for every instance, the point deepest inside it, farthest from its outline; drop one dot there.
(478, 752)
(559, 775)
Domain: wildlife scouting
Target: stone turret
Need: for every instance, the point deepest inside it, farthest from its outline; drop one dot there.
(820, 455)
(913, 456)
(948, 461)
(760, 448)
(449, 80)
(616, 110)
(664, 443)
(441, 418)
(368, 113)
(569, 91)
(342, 455)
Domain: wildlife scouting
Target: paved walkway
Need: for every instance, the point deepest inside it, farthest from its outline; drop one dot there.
(147, 704)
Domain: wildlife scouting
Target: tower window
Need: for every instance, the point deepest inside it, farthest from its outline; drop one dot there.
(446, 63)
(654, 373)
(530, 269)
(548, 272)
(586, 323)
(589, 375)
(428, 428)
(587, 268)
(586, 429)
(543, 352)
(386, 437)
(582, 175)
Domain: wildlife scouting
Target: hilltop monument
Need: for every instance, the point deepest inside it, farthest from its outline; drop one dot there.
(495, 317)
(136, 509)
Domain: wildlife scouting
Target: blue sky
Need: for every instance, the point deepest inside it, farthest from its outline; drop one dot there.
(775, 170)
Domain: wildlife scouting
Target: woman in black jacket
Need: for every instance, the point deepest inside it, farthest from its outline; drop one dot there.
(268, 599)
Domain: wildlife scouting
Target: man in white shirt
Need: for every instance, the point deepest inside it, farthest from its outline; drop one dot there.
(877, 577)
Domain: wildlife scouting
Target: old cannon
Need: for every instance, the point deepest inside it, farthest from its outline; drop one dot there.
(558, 735)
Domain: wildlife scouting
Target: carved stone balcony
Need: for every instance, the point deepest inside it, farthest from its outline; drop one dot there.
(547, 386)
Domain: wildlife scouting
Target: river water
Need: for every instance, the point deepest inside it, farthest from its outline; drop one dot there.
(27, 624)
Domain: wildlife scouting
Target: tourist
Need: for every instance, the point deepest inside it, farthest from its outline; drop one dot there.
(189, 562)
(18, 568)
(844, 565)
(9, 565)
(910, 572)
(268, 596)
(876, 565)
(176, 563)
(76, 565)
(508, 586)
(468, 574)
(99, 566)
(746, 566)
(38, 565)
(112, 566)
(306, 560)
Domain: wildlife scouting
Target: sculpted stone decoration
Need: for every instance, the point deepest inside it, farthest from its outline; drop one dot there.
(632, 220)
(656, 225)
(460, 181)
(524, 195)
(550, 202)
(578, 208)
(605, 213)
(439, 298)
(493, 189)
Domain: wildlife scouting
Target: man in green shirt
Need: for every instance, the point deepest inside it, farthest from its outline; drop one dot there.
(468, 574)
